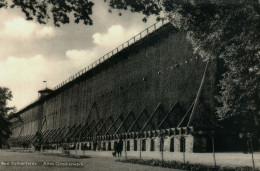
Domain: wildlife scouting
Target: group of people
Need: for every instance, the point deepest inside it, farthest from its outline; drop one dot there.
(118, 148)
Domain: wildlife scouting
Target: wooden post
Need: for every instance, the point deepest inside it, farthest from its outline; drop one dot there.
(125, 150)
(251, 148)
(198, 95)
(76, 148)
(161, 144)
(140, 147)
(162, 148)
(183, 149)
(83, 149)
(213, 149)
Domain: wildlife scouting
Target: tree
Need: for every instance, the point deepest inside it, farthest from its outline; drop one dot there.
(56, 10)
(225, 30)
(5, 132)
(216, 29)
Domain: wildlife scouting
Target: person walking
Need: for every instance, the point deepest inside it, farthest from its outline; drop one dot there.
(120, 147)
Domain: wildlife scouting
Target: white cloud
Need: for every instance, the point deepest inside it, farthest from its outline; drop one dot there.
(22, 29)
(23, 71)
(24, 75)
(18, 27)
(81, 58)
(105, 42)
(115, 35)
(46, 32)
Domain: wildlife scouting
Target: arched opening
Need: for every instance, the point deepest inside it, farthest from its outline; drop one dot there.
(104, 146)
(90, 147)
(109, 145)
(135, 145)
(128, 145)
(98, 146)
(152, 145)
(182, 144)
(83, 146)
(172, 144)
(143, 145)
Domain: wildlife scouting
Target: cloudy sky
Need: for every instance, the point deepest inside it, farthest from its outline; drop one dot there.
(32, 53)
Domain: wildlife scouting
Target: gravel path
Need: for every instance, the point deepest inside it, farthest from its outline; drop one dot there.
(234, 159)
(35, 161)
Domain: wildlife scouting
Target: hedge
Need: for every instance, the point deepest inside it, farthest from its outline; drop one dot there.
(185, 166)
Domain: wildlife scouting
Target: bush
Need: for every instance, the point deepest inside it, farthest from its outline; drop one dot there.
(184, 166)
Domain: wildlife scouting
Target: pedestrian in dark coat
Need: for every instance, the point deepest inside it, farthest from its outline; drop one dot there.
(115, 149)
(120, 147)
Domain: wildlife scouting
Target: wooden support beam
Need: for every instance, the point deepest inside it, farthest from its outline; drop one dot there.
(93, 105)
(137, 119)
(58, 134)
(198, 95)
(123, 122)
(110, 117)
(44, 133)
(53, 134)
(86, 128)
(99, 121)
(78, 134)
(60, 137)
(186, 114)
(47, 135)
(119, 116)
(72, 134)
(78, 131)
(31, 138)
(70, 130)
(149, 120)
(21, 131)
(44, 121)
(20, 120)
(166, 117)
